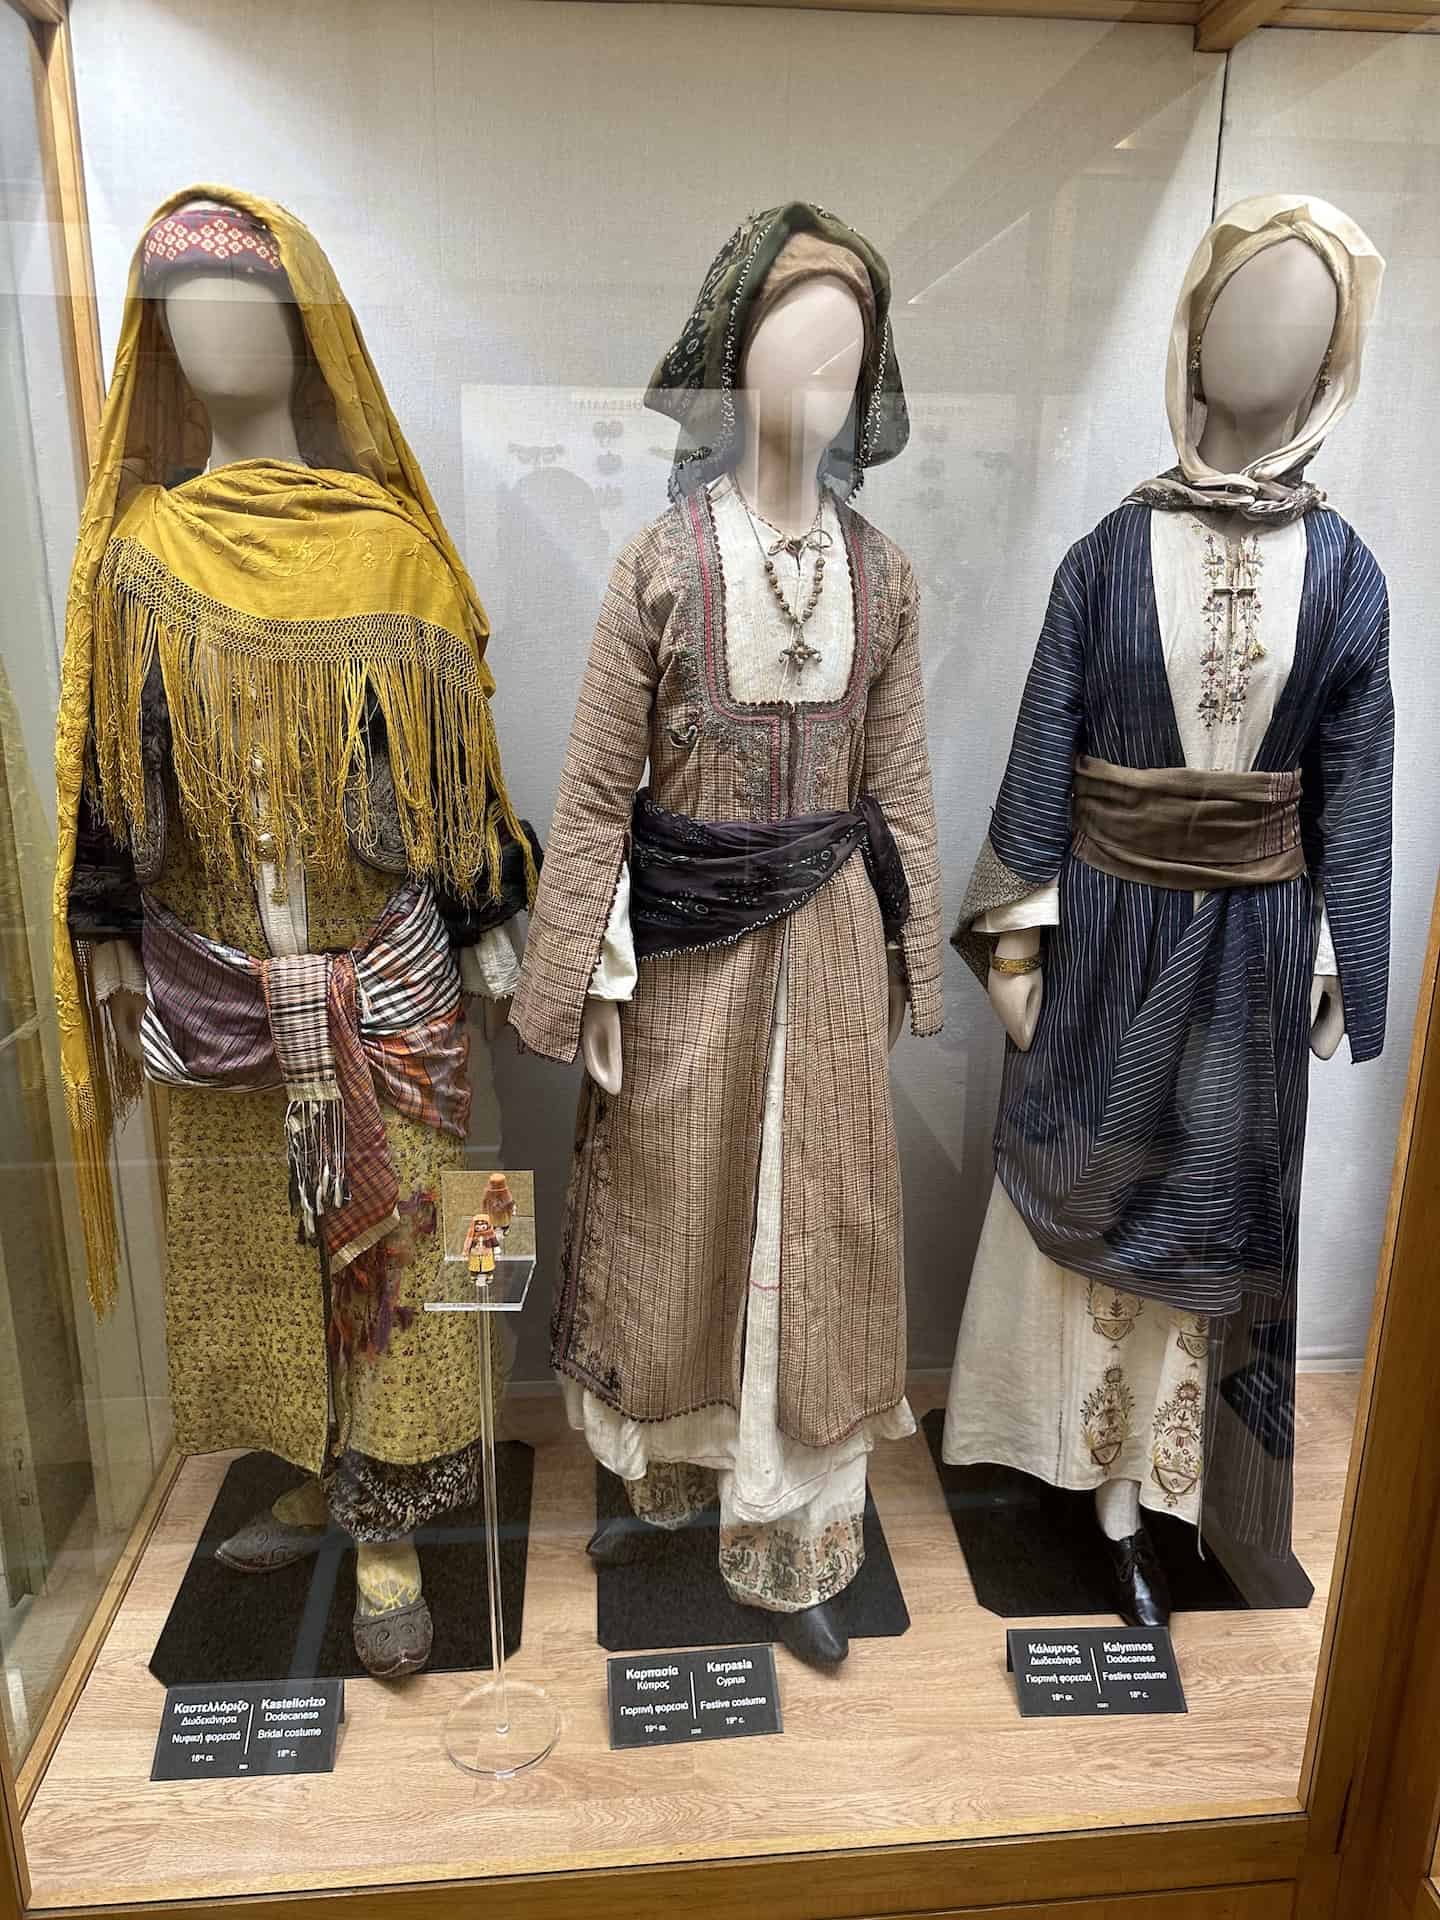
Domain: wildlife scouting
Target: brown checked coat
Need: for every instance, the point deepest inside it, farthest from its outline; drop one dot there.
(660, 1214)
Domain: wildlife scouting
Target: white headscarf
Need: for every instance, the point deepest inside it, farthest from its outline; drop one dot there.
(1270, 488)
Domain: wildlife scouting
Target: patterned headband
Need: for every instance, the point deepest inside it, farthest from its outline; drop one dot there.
(206, 237)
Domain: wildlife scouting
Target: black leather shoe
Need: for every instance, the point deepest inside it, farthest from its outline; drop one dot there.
(1142, 1591)
(813, 1635)
(621, 1541)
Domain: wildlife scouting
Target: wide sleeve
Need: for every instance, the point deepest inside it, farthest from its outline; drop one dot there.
(897, 774)
(589, 835)
(469, 921)
(1030, 825)
(1345, 774)
(104, 898)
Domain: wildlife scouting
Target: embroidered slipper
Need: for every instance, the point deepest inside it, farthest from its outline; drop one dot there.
(265, 1544)
(393, 1644)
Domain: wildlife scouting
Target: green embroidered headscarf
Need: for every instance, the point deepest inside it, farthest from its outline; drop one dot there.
(695, 381)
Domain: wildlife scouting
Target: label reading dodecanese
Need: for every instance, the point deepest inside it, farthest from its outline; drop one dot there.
(1085, 1670)
(253, 1727)
(720, 1693)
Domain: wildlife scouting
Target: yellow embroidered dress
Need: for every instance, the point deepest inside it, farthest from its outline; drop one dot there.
(274, 725)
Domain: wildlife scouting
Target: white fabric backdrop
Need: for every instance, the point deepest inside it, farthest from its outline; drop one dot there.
(1352, 118)
(521, 200)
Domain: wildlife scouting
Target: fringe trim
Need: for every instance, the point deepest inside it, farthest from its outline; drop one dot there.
(93, 1112)
(275, 710)
(315, 1139)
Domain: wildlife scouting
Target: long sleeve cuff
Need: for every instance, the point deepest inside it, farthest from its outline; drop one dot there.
(490, 967)
(1038, 909)
(116, 967)
(616, 971)
(1326, 963)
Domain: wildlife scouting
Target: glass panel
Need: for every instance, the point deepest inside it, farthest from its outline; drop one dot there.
(1116, 1356)
(78, 1445)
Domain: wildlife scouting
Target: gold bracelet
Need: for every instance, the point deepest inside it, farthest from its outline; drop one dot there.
(1025, 963)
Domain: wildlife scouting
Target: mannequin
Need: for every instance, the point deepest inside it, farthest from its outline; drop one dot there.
(1264, 359)
(240, 347)
(744, 964)
(238, 342)
(1261, 353)
(327, 1362)
(799, 373)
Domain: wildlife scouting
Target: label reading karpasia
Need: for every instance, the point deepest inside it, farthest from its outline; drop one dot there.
(250, 1726)
(1068, 1670)
(720, 1693)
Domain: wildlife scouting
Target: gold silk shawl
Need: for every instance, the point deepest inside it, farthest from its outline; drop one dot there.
(281, 605)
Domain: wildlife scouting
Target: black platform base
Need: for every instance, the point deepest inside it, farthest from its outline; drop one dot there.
(675, 1597)
(1036, 1552)
(295, 1624)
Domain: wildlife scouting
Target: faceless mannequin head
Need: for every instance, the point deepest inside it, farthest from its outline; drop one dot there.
(240, 345)
(798, 377)
(236, 338)
(802, 363)
(1265, 340)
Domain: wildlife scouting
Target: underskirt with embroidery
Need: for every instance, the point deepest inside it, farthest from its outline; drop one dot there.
(1073, 1380)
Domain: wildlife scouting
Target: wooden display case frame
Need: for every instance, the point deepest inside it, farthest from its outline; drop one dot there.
(1360, 1839)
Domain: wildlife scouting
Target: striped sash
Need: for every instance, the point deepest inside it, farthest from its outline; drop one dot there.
(338, 1031)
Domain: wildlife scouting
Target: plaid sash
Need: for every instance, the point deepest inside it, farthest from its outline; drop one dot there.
(338, 1031)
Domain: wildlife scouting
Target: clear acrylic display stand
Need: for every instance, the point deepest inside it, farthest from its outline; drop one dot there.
(503, 1724)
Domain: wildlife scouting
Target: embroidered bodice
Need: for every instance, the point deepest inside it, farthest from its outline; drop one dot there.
(1227, 595)
(755, 630)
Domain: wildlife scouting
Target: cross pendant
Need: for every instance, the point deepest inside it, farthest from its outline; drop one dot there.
(800, 654)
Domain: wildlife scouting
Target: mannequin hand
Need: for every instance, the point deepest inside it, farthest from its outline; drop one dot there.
(126, 1010)
(1327, 1015)
(600, 1044)
(1016, 996)
(899, 995)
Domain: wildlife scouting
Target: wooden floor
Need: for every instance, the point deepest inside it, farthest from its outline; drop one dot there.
(912, 1739)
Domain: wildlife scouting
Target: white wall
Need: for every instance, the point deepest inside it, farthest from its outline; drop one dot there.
(1352, 117)
(524, 195)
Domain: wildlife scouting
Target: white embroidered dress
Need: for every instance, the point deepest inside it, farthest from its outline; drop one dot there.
(1060, 1376)
(790, 1515)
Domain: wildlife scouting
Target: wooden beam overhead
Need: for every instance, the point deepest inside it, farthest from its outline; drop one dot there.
(1218, 27)
(1355, 20)
(1225, 24)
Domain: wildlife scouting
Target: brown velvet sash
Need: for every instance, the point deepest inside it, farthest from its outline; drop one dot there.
(1183, 827)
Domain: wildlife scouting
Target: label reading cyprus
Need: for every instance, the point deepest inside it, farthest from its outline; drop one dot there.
(249, 1727)
(1065, 1670)
(720, 1693)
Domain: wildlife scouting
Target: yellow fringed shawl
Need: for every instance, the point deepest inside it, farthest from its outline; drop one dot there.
(281, 604)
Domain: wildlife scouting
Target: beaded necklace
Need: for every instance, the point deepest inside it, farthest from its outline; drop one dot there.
(799, 654)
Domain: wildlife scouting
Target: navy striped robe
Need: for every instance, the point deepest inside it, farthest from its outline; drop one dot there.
(1152, 1136)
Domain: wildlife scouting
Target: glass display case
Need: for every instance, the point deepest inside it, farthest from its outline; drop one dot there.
(811, 624)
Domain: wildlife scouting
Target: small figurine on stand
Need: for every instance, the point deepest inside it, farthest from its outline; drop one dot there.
(480, 1244)
(499, 1201)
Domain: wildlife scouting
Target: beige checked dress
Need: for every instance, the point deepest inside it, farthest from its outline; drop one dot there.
(731, 1299)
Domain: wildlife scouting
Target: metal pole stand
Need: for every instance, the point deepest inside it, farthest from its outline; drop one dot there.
(504, 1724)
